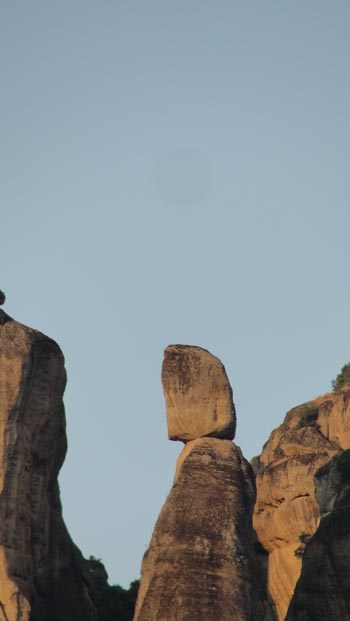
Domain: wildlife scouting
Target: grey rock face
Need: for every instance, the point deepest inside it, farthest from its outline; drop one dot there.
(332, 483)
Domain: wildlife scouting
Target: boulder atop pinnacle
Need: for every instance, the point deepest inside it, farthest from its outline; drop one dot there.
(2, 298)
(197, 393)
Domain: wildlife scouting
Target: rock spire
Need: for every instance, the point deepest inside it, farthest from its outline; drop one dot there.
(202, 561)
(43, 574)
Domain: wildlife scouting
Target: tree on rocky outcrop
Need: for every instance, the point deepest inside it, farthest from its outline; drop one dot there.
(112, 602)
(342, 378)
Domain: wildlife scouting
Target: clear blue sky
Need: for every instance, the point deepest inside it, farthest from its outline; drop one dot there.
(173, 172)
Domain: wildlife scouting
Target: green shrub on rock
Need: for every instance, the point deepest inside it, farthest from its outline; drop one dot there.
(308, 416)
(342, 378)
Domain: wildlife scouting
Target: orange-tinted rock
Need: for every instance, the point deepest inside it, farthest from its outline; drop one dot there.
(286, 512)
(201, 563)
(197, 393)
(43, 575)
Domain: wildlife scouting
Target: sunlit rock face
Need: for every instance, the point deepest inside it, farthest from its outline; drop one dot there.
(286, 511)
(202, 561)
(198, 395)
(323, 589)
(43, 575)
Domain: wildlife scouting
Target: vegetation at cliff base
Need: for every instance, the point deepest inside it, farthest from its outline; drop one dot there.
(112, 602)
(342, 378)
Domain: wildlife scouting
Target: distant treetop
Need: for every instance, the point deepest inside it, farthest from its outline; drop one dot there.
(342, 378)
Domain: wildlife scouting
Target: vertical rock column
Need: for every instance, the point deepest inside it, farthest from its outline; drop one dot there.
(42, 574)
(201, 563)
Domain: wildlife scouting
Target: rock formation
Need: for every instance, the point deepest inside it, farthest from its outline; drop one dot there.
(202, 563)
(286, 511)
(323, 589)
(198, 395)
(43, 575)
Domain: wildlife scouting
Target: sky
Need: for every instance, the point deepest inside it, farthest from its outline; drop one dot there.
(173, 172)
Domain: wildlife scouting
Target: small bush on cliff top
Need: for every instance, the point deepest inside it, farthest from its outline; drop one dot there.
(342, 378)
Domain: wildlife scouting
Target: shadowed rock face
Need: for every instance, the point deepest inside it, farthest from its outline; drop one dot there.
(202, 561)
(323, 589)
(286, 511)
(43, 575)
(198, 395)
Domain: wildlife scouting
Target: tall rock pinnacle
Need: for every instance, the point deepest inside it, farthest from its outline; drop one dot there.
(43, 575)
(201, 563)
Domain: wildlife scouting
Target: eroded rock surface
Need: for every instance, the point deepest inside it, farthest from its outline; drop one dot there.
(197, 393)
(42, 574)
(286, 512)
(201, 563)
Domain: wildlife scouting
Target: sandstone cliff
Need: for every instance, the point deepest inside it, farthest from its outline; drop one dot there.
(286, 511)
(202, 563)
(323, 589)
(43, 575)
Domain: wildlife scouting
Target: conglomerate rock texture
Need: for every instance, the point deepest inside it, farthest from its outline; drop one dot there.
(203, 562)
(323, 589)
(43, 576)
(286, 511)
